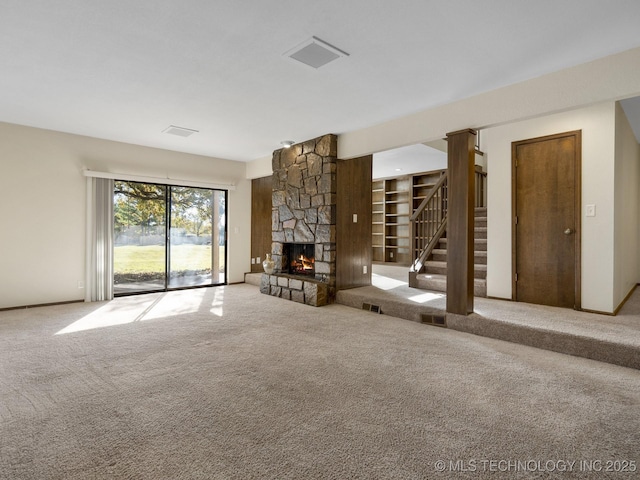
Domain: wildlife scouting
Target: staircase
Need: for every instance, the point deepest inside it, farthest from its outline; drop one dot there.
(433, 275)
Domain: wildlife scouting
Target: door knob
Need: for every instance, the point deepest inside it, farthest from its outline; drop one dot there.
(568, 231)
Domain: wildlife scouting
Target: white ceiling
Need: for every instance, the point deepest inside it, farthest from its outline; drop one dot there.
(408, 160)
(125, 70)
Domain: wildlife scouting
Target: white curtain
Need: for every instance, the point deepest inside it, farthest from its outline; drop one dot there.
(99, 283)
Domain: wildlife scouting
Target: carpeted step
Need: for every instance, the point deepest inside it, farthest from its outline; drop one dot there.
(479, 244)
(440, 268)
(480, 211)
(434, 267)
(440, 255)
(555, 340)
(480, 257)
(480, 233)
(438, 283)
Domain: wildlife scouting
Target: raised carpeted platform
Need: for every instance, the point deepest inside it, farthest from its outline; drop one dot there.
(612, 339)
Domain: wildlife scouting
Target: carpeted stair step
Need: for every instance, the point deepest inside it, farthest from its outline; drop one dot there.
(480, 211)
(479, 244)
(438, 283)
(440, 255)
(440, 268)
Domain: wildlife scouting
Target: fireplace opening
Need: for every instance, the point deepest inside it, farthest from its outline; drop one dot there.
(299, 259)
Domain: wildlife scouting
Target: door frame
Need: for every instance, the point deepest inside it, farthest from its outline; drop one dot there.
(577, 211)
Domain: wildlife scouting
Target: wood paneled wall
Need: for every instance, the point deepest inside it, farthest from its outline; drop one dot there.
(353, 239)
(260, 220)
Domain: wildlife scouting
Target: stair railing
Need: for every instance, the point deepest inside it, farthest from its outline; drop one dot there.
(481, 187)
(429, 222)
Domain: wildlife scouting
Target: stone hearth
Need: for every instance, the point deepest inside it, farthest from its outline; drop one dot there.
(304, 211)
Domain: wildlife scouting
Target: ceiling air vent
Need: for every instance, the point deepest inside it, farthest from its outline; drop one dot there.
(315, 53)
(179, 131)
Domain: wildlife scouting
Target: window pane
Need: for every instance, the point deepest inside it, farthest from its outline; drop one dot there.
(220, 233)
(191, 260)
(139, 237)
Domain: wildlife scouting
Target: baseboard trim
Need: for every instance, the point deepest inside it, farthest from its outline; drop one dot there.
(37, 305)
(500, 298)
(633, 289)
(597, 312)
(615, 312)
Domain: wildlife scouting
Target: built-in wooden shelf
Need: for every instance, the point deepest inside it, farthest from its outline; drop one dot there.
(399, 197)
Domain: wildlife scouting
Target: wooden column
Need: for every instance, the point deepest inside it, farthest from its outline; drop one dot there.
(460, 221)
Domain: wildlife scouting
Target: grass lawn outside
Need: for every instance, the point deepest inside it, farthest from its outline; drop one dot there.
(133, 259)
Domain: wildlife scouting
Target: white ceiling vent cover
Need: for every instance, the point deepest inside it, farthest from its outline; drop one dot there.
(179, 131)
(315, 53)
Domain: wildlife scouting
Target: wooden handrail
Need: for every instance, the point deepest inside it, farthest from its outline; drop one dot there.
(428, 198)
(481, 189)
(428, 223)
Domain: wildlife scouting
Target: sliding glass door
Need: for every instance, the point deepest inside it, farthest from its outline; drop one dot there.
(140, 232)
(194, 255)
(148, 259)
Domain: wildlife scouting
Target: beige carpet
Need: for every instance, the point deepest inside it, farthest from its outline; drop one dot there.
(226, 383)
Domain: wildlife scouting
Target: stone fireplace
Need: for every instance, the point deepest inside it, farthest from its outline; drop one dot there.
(304, 222)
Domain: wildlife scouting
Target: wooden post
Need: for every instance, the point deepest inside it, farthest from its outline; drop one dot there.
(460, 221)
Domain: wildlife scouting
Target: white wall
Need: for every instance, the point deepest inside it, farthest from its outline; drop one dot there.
(627, 208)
(598, 154)
(259, 168)
(607, 79)
(42, 206)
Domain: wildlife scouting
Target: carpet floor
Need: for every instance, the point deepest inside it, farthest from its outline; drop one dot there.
(226, 383)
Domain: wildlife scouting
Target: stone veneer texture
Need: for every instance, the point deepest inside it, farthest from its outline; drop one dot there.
(310, 292)
(304, 204)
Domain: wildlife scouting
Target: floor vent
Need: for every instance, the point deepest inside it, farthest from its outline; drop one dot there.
(371, 308)
(435, 320)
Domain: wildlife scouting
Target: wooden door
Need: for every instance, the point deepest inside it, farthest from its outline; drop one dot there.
(546, 197)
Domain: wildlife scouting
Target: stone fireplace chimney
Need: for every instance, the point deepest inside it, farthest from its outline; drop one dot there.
(304, 212)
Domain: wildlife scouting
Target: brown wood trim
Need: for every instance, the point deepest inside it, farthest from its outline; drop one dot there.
(615, 312)
(37, 305)
(514, 244)
(470, 131)
(578, 218)
(577, 213)
(597, 312)
(411, 175)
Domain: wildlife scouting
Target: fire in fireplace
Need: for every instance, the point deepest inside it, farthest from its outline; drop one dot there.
(299, 258)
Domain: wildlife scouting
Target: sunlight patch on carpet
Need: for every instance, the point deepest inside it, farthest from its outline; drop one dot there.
(386, 283)
(218, 300)
(125, 310)
(426, 297)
